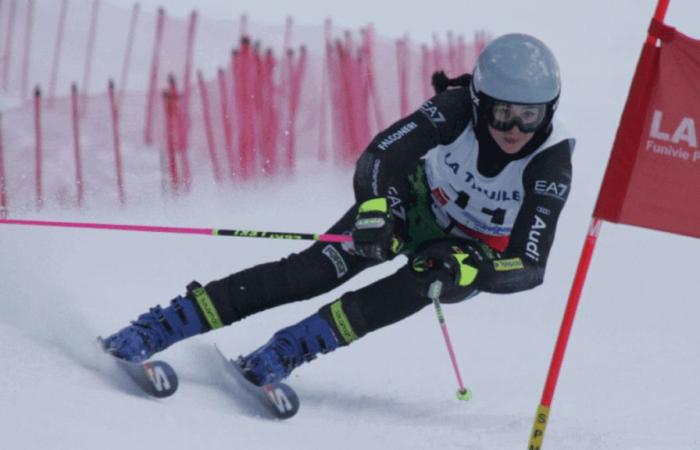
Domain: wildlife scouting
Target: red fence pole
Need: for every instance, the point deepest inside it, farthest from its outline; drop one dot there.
(208, 131)
(7, 52)
(89, 52)
(117, 144)
(153, 80)
(243, 26)
(38, 157)
(425, 71)
(372, 85)
(179, 130)
(245, 108)
(337, 89)
(57, 50)
(288, 25)
(79, 182)
(226, 122)
(187, 79)
(170, 141)
(270, 115)
(325, 92)
(127, 52)
(3, 181)
(297, 72)
(402, 63)
(29, 25)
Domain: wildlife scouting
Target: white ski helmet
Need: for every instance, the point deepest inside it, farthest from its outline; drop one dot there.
(516, 69)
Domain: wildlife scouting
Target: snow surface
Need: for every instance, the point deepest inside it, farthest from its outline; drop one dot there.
(630, 379)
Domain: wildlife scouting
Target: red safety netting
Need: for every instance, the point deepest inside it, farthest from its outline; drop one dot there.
(161, 105)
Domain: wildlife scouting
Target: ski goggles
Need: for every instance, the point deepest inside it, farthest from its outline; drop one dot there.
(528, 117)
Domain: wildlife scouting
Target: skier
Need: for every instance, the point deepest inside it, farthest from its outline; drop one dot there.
(469, 188)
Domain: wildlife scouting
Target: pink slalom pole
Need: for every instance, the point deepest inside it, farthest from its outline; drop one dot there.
(434, 293)
(79, 182)
(7, 51)
(89, 52)
(116, 144)
(58, 45)
(126, 62)
(208, 130)
(153, 80)
(29, 25)
(38, 157)
(183, 230)
(3, 181)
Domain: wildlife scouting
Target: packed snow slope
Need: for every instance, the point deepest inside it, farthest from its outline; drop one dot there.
(630, 379)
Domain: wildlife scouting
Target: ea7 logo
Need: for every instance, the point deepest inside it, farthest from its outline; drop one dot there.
(685, 130)
(396, 208)
(158, 378)
(551, 189)
(432, 112)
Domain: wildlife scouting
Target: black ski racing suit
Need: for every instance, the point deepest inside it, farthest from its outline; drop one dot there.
(393, 166)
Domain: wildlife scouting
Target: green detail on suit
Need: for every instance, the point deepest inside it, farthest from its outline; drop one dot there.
(206, 306)
(342, 323)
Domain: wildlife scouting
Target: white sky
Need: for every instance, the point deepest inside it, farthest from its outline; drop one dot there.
(394, 17)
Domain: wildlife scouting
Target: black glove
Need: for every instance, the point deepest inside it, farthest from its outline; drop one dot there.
(373, 230)
(447, 271)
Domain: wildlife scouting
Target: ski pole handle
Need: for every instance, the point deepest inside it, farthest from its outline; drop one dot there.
(434, 291)
(183, 230)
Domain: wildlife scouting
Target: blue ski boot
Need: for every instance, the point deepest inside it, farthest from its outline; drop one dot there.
(155, 330)
(289, 348)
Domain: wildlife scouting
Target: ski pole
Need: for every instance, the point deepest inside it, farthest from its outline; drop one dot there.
(183, 230)
(434, 292)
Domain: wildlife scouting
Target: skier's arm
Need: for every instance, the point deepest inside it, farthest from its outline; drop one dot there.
(547, 182)
(394, 152)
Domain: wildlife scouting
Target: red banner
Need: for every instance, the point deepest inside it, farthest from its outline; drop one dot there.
(653, 176)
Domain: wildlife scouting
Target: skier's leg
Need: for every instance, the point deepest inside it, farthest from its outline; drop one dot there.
(339, 323)
(319, 268)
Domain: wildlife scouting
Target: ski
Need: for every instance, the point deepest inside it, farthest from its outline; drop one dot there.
(155, 378)
(276, 400)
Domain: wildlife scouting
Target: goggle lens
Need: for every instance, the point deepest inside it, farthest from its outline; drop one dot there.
(528, 118)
